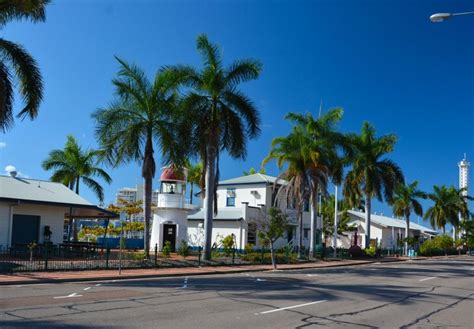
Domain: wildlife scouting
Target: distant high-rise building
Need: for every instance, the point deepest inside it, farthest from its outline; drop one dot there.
(464, 174)
(134, 194)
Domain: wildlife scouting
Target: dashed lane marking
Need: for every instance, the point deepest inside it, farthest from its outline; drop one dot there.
(426, 279)
(85, 289)
(69, 296)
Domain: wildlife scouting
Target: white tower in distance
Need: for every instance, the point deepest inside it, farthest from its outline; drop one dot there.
(464, 174)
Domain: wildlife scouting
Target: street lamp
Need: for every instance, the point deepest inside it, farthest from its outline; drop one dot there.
(441, 17)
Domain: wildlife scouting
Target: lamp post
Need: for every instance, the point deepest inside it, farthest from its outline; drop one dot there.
(441, 17)
(335, 222)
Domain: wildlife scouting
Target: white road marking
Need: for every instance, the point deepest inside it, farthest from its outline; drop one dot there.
(260, 280)
(69, 296)
(87, 288)
(290, 307)
(425, 279)
(99, 284)
(311, 275)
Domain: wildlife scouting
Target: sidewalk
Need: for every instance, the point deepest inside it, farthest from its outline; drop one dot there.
(93, 275)
(96, 275)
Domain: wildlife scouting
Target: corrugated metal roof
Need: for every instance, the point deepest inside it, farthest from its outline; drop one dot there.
(252, 179)
(17, 188)
(390, 222)
(223, 215)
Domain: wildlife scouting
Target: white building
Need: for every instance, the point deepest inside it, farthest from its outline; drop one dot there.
(385, 231)
(464, 174)
(35, 211)
(134, 194)
(241, 203)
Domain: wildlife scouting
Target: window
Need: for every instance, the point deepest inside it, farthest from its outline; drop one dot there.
(306, 233)
(306, 205)
(230, 197)
(252, 234)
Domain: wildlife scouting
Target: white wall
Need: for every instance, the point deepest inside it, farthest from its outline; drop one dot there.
(49, 215)
(4, 224)
(168, 216)
(220, 230)
(242, 194)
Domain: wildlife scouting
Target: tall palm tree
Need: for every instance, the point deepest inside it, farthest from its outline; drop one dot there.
(371, 175)
(223, 117)
(293, 152)
(444, 210)
(325, 143)
(140, 118)
(405, 200)
(195, 176)
(461, 200)
(16, 61)
(72, 165)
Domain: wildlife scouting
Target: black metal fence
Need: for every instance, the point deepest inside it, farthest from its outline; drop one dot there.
(76, 257)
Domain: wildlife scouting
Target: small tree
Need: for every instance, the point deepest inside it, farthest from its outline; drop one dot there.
(444, 242)
(271, 227)
(228, 244)
(183, 249)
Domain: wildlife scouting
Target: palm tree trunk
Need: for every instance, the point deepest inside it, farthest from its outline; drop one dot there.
(74, 222)
(209, 199)
(272, 254)
(368, 209)
(407, 232)
(300, 224)
(148, 181)
(314, 220)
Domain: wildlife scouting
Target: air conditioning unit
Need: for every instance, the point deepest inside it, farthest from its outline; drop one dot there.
(254, 192)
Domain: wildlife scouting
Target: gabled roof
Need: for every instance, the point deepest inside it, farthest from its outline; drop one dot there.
(26, 190)
(252, 179)
(234, 214)
(390, 222)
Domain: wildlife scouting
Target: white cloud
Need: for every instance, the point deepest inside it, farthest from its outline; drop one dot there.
(3, 145)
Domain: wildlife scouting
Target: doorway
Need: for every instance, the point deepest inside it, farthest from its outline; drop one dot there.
(169, 234)
(25, 229)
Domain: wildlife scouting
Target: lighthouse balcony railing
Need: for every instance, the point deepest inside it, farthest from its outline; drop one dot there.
(170, 200)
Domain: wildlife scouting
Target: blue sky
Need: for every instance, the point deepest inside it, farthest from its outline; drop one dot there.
(382, 61)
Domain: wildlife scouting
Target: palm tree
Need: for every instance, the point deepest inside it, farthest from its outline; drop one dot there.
(16, 61)
(142, 114)
(253, 171)
(223, 117)
(324, 142)
(194, 177)
(443, 211)
(327, 213)
(460, 199)
(371, 175)
(405, 201)
(449, 204)
(72, 165)
(292, 151)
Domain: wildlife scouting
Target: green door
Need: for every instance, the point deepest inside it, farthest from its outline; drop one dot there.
(25, 229)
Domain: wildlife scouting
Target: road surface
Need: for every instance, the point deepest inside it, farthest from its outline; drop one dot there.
(418, 294)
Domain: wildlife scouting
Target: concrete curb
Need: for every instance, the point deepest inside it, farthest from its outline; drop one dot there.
(170, 275)
(210, 272)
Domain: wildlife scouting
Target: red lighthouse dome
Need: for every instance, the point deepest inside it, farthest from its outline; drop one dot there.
(171, 174)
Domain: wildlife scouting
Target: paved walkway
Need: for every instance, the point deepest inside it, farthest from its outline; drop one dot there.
(95, 275)
(60, 276)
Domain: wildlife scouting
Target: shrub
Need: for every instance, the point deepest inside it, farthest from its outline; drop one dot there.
(371, 251)
(356, 251)
(183, 249)
(167, 249)
(228, 245)
(249, 248)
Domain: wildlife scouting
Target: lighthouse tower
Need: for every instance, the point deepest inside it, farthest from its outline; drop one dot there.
(170, 217)
(464, 174)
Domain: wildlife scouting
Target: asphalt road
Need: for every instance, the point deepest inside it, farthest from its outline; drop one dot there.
(419, 294)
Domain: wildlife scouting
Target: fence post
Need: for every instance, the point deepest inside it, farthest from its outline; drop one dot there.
(107, 254)
(45, 257)
(199, 255)
(233, 256)
(156, 254)
(263, 255)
